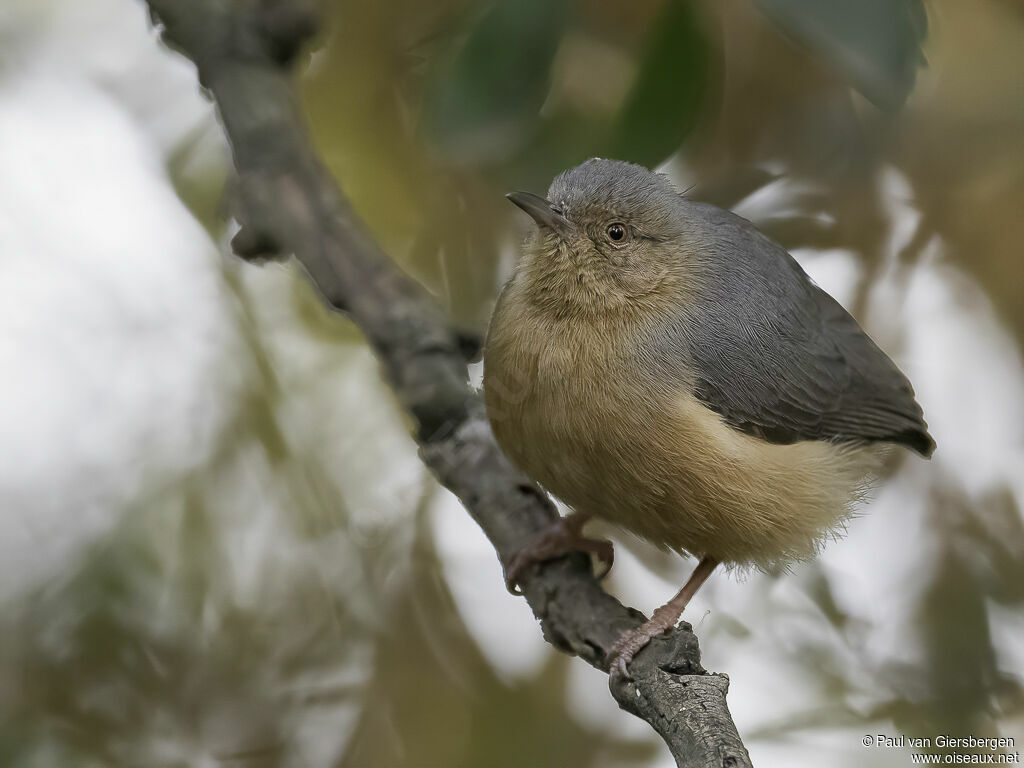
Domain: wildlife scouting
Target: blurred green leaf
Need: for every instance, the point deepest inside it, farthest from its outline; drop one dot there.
(874, 44)
(562, 140)
(486, 103)
(665, 102)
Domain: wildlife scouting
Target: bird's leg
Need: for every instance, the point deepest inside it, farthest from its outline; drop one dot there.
(631, 641)
(560, 538)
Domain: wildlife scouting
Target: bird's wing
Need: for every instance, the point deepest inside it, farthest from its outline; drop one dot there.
(778, 357)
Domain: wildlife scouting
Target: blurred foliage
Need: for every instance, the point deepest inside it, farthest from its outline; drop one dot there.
(427, 112)
(484, 721)
(875, 44)
(664, 104)
(485, 103)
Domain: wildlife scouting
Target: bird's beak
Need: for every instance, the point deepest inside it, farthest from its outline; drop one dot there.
(541, 211)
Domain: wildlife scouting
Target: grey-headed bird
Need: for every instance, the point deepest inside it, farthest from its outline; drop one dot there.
(661, 364)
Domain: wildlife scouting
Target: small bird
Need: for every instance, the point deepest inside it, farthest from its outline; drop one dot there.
(661, 364)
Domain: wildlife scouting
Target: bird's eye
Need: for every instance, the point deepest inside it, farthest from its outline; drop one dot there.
(616, 232)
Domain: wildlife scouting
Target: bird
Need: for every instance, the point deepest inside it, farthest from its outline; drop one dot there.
(661, 364)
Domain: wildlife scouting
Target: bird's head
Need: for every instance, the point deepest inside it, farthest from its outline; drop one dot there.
(608, 234)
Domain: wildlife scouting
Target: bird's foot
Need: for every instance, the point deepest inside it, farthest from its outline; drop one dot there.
(560, 538)
(631, 642)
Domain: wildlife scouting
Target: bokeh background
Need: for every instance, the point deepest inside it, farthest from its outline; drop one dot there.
(217, 544)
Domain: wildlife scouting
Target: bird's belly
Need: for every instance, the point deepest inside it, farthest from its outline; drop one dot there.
(666, 468)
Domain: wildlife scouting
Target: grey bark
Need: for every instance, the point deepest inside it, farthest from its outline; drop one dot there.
(243, 50)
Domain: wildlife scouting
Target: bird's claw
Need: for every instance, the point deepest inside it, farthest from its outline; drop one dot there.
(520, 561)
(557, 540)
(618, 669)
(605, 553)
(629, 644)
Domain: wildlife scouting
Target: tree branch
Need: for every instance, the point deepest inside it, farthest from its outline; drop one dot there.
(289, 204)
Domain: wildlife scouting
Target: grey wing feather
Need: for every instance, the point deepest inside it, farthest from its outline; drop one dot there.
(778, 357)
